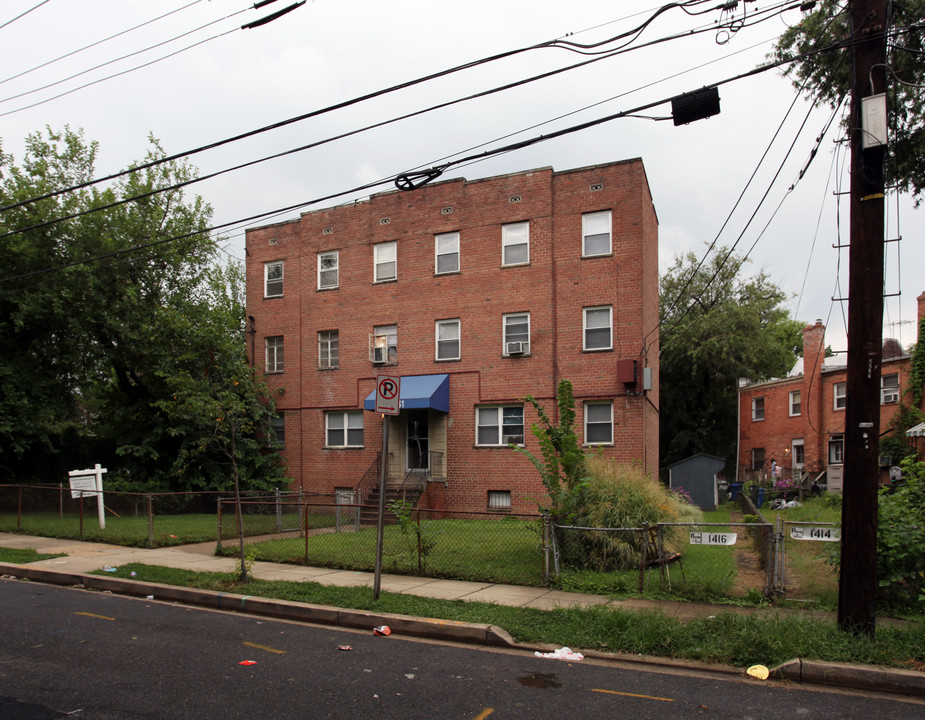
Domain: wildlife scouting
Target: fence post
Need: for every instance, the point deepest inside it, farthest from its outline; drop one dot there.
(149, 508)
(305, 525)
(546, 546)
(61, 501)
(643, 545)
(279, 511)
(19, 509)
(218, 532)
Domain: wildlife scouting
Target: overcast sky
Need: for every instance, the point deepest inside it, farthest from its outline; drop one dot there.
(329, 51)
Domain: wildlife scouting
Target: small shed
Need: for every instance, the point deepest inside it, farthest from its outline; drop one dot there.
(696, 475)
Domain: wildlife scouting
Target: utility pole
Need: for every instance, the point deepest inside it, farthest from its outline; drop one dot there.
(858, 577)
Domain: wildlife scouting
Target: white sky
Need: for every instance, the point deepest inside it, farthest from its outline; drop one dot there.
(328, 51)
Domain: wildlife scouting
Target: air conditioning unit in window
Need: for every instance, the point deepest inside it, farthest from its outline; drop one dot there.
(380, 354)
(888, 398)
(516, 348)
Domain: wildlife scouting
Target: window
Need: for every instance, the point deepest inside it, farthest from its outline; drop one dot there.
(328, 270)
(447, 339)
(597, 328)
(595, 234)
(278, 430)
(446, 249)
(515, 244)
(836, 450)
(344, 429)
(384, 346)
(273, 279)
(499, 425)
(499, 499)
(757, 458)
(795, 402)
(598, 423)
(757, 409)
(328, 349)
(889, 389)
(516, 334)
(386, 264)
(840, 393)
(274, 352)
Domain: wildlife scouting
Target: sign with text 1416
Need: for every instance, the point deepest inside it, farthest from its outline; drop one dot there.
(713, 538)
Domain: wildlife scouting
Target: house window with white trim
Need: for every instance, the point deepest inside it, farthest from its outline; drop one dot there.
(273, 279)
(515, 244)
(798, 453)
(889, 389)
(344, 428)
(597, 328)
(595, 234)
(796, 402)
(384, 345)
(447, 339)
(386, 261)
(840, 395)
(499, 425)
(446, 253)
(516, 328)
(836, 450)
(599, 423)
(328, 270)
(757, 409)
(328, 349)
(274, 353)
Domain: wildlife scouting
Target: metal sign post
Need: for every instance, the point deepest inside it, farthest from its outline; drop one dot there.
(388, 394)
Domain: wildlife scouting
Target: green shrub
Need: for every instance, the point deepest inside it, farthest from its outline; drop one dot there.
(901, 539)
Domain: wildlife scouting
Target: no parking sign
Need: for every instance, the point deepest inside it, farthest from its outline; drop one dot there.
(388, 392)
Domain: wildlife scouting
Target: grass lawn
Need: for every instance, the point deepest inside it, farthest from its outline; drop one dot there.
(130, 530)
(20, 556)
(739, 640)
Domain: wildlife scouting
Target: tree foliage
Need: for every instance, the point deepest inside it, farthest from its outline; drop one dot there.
(109, 327)
(717, 326)
(827, 76)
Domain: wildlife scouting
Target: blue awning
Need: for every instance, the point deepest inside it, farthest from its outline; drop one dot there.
(419, 392)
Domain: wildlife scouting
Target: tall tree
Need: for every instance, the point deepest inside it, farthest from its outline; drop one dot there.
(827, 76)
(717, 326)
(102, 313)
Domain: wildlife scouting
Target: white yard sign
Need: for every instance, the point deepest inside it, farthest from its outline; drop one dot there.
(808, 532)
(89, 482)
(713, 538)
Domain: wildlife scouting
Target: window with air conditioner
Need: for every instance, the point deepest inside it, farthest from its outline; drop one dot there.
(516, 327)
(383, 344)
(889, 389)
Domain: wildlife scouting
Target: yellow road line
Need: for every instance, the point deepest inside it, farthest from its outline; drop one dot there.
(484, 714)
(646, 697)
(101, 617)
(264, 647)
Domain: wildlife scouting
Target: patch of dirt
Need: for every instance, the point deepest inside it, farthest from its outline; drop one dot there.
(750, 575)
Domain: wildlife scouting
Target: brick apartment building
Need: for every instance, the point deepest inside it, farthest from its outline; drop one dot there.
(799, 421)
(477, 294)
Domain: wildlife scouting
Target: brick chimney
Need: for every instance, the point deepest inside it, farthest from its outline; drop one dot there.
(814, 445)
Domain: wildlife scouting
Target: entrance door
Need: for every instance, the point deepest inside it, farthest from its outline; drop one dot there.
(417, 443)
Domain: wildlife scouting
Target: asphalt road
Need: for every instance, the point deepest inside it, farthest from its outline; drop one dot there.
(66, 652)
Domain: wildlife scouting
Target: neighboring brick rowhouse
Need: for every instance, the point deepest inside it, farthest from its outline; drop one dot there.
(802, 416)
(552, 295)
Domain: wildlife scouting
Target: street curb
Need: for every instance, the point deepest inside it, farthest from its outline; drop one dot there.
(474, 633)
(859, 677)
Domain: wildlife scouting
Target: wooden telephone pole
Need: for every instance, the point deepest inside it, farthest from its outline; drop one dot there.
(858, 577)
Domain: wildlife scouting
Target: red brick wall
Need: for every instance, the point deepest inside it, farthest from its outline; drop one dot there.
(554, 288)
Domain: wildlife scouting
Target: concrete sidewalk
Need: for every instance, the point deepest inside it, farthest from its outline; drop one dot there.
(82, 558)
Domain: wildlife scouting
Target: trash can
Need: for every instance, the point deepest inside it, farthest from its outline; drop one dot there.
(760, 501)
(734, 490)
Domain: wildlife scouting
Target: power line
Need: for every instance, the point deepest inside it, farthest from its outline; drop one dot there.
(23, 14)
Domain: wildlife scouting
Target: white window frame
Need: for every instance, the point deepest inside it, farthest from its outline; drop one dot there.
(348, 420)
(840, 395)
(324, 273)
(499, 500)
(270, 289)
(273, 353)
(515, 235)
(836, 449)
(328, 339)
(598, 423)
(758, 408)
(384, 336)
(586, 327)
(795, 402)
(591, 226)
(509, 336)
(384, 255)
(446, 325)
(484, 424)
(446, 247)
(889, 394)
(797, 447)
